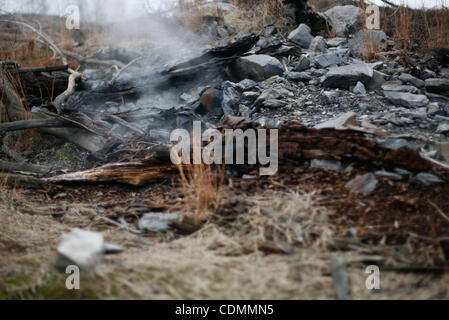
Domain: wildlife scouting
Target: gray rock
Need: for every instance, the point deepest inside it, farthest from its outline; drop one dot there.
(318, 45)
(250, 95)
(349, 118)
(389, 175)
(348, 76)
(443, 128)
(158, 222)
(345, 20)
(366, 184)
(231, 98)
(244, 111)
(220, 7)
(375, 40)
(428, 179)
(246, 84)
(359, 89)
(377, 81)
(439, 86)
(336, 42)
(399, 88)
(301, 36)
(303, 64)
(341, 278)
(327, 60)
(257, 67)
(273, 103)
(222, 32)
(332, 165)
(396, 144)
(299, 76)
(407, 99)
(409, 79)
(273, 93)
(81, 248)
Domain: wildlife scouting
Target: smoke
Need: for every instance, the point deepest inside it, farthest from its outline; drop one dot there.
(92, 10)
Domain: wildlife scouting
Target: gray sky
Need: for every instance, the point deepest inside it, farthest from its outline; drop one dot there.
(122, 9)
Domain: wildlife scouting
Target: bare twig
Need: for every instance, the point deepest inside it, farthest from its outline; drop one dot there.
(114, 78)
(442, 214)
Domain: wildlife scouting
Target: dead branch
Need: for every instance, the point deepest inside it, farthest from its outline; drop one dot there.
(125, 124)
(59, 101)
(34, 124)
(441, 213)
(390, 3)
(119, 72)
(82, 59)
(155, 166)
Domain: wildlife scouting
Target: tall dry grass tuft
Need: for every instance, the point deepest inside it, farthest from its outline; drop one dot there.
(416, 29)
(371, 47)
(203, 190)
(253, 15)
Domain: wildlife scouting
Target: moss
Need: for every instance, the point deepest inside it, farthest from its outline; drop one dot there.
(20, 288)
(68, 152)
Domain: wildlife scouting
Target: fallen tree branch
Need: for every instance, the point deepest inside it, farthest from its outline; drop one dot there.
(34, 124)
(157, 165)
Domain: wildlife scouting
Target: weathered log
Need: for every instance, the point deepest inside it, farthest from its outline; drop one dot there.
(296, 145)
(155, 166)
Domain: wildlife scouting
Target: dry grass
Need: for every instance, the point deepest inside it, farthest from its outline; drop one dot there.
(253, 15)
(371, 47)
(229, 261)
(203, 189)
(416, 29)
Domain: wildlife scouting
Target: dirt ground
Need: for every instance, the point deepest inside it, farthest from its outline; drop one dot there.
(270, 239)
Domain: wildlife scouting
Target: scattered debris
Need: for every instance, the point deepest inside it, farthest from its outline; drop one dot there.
(366, 184)
(82, 248)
